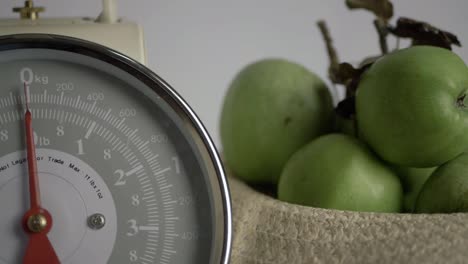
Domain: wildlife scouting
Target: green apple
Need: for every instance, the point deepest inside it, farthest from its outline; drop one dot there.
(345, 125)
(412, 106)
(271, 109)
(337, 171)
(412, 180)
(446, 190)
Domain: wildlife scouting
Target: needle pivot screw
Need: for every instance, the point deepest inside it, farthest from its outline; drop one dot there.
(37, 223)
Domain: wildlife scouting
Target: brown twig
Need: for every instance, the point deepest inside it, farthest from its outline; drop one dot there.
(381, 27)
(331, 51)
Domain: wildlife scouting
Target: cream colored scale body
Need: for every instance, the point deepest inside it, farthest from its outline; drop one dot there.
(108, 30)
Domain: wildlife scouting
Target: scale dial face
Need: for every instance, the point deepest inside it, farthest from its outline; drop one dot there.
(125, 168)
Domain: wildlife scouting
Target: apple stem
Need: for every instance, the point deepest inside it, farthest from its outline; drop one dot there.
(461, 100)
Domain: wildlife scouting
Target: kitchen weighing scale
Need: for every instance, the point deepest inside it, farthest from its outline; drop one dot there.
(101, 161)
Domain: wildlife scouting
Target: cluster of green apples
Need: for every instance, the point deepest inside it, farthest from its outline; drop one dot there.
(278, 126)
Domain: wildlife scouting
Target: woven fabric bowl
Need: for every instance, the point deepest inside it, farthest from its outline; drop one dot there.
(268, 231)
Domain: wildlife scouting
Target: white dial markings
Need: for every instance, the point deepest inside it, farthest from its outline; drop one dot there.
(162, 171)
(120, 123)
(148, 228)
(90, 130)
(134, 170)
(107, 114)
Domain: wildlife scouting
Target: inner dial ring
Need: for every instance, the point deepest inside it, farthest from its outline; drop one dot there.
(68, 194)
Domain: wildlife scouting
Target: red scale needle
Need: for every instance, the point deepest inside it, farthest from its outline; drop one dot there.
(37, 221)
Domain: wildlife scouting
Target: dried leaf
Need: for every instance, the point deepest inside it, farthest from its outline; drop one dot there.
(423, 33)
(346, 72)
(350, 76)
(381, 8)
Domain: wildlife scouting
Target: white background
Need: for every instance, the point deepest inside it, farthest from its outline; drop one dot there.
(199, 45)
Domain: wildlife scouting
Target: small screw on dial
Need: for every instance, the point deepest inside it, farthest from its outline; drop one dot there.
(96, 221)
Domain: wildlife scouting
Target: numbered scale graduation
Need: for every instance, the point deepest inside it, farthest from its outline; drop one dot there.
(102, 162)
